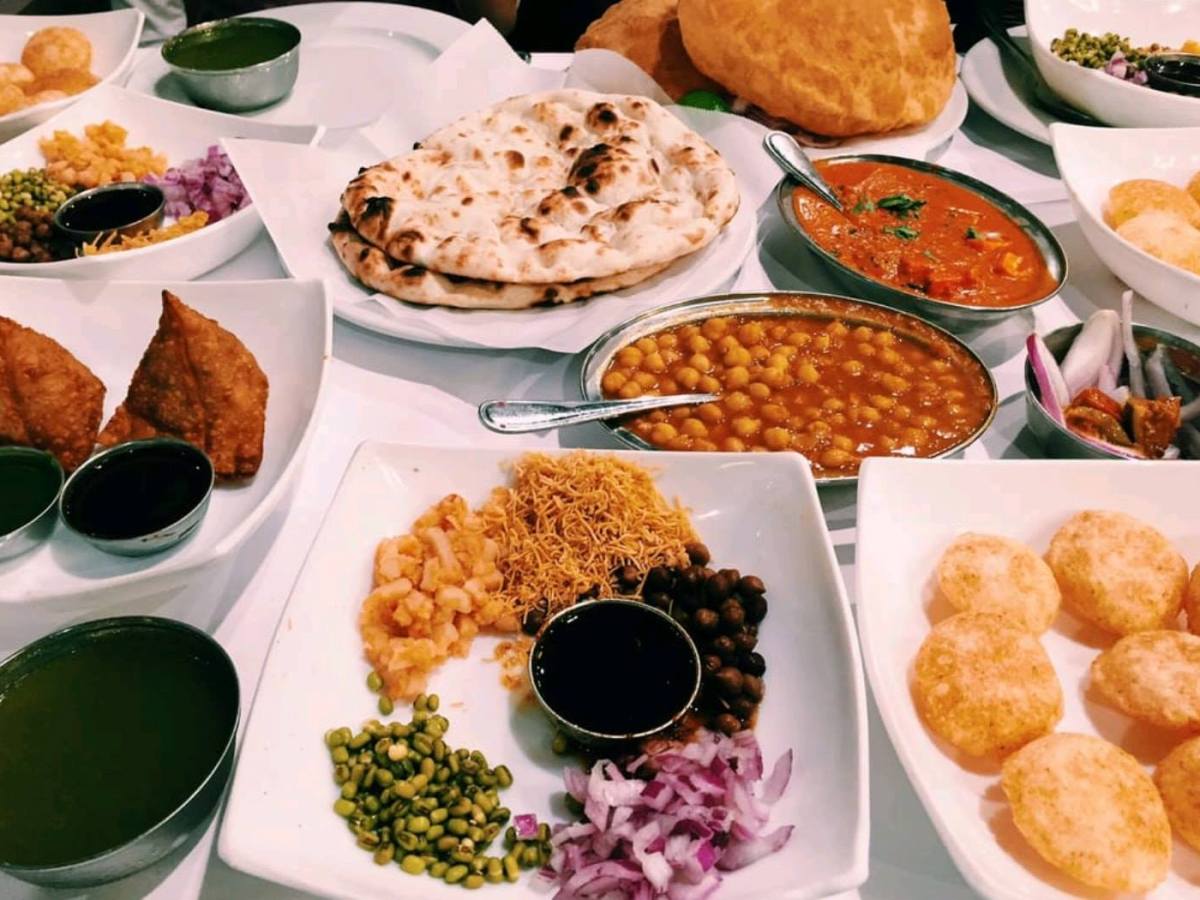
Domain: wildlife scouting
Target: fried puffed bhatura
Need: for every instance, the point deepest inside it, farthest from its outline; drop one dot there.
(1178, 780)
(646, 32)
(1191, 602)
(991, 574)
(48, 399)
(831, 67)
(1090, 810)
(1117, 573)
(984, 685)
(198, 382)
(1153, 676)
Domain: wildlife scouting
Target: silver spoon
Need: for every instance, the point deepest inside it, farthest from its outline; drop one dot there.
(790, 157)
(516, 416)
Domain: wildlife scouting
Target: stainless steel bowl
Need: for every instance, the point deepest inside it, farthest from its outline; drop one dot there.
(597, 739)
(155, 202)
(175, 828)
(21, 540)
(157, 541)
(1058, 440)
(780, 303)
(953, 315)
(241, 89)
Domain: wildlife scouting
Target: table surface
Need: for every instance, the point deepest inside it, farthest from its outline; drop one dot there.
(383, 389)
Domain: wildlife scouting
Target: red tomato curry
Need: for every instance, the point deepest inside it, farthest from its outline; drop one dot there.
(918, 232)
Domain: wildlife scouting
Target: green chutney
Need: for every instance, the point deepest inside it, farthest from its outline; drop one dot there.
(234, 44)
(29, 482)
(104, 736)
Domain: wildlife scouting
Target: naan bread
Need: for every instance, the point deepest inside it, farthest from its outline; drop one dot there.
(548, 188)
(646, 32)
(405, 281)
(832, 67)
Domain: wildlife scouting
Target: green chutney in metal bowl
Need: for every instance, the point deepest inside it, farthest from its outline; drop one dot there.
(117, 740)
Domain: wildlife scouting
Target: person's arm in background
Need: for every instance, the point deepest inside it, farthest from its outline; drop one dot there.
(501, 13)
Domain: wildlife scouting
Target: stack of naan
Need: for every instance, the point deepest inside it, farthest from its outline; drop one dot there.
(539, 199)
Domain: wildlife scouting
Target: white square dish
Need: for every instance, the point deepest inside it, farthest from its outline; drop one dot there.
(909, 510)
(1092, 161)
(180, 133)
(114, 37)
(760, 513)
(285, 324)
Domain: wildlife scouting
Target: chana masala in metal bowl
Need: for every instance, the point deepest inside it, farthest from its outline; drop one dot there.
(834, 379)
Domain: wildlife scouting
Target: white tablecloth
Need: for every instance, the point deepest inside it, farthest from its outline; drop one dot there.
(406, 392)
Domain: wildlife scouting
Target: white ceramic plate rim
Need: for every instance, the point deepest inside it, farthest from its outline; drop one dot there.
(266, 505)
(122, 67)
(855, 873)
(1060, 132)
(984, 64)
(918, 141)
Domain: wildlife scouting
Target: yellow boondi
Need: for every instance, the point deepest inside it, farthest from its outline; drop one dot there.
(99, 157)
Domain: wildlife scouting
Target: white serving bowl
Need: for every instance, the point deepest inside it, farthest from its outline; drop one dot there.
(1109, 99)
(1091, 161)
(181, 133)
(114, 36)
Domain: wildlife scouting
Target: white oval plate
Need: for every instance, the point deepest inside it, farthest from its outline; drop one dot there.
(984, 72)
(354, 59)
(114, 36)
(182, 133)
(909, 510)
(1091, 161)
(759, 512)
(921, 142)
(296, 191)
(107, 327)
(1110, 99)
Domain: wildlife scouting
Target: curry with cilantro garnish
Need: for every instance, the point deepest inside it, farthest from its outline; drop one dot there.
(923, 234)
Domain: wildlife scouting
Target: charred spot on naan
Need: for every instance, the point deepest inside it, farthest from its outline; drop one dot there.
(514, 158)
(602, 116)
(565, 133)
(378, 206)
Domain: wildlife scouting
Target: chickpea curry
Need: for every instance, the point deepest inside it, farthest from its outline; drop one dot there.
(918, 232)
(833, 384)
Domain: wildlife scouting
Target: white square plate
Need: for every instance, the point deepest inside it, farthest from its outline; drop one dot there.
(759, 513)
(114, 36)
(909, 510)
(180, 133)
(285, 324)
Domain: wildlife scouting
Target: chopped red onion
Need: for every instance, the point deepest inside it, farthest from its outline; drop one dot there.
(207, 185)
(1050, 388)
(526, 826)
(669, 834)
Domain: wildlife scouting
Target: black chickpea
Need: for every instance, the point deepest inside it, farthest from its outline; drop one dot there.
(698, 554)
(732, 615)
(706, 621)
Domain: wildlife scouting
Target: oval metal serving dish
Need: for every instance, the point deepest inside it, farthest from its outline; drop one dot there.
(779, 303)
(1057, 440)
(955, 315)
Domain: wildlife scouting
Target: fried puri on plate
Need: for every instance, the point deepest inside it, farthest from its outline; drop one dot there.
(833, 68)
(991, 574)
(1153, 676)
(198, 382)
(1117, 573)
(1132, 198)
(984, 685)
(1191, 602)
(48, 398)
(1178, 780)
(1089, 809)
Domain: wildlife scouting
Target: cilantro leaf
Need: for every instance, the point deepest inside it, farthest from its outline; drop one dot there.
(902, 231)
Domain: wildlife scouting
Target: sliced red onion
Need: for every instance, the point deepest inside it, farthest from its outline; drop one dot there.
(1045, 369)
(667, 834)
(1137, 382)
(1156, 374)
(1188, 438)
(1190, 411)
(1090, 351)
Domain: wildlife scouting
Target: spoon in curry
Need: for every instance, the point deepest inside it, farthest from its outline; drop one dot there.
(517, 416)
(790, 157)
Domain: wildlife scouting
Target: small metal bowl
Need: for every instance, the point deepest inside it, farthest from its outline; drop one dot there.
(951, 315)
(777, 303)
(171, 831)
(1178, 73)
(1057, 440)
(245, 88)
(150, 198)
(597, 739)
(25, 537)
(157, 541)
